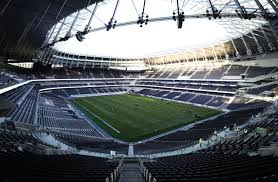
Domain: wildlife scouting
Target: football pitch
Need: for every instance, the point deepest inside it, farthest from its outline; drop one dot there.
(132, 118)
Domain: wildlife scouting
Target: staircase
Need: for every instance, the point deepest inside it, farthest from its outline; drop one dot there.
(130, 171)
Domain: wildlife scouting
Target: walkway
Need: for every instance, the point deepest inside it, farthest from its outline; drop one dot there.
(130, 172)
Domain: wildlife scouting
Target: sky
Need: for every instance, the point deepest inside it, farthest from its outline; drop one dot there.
(156, 38)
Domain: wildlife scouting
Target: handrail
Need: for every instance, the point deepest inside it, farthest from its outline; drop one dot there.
(146, 174)
(115, 174)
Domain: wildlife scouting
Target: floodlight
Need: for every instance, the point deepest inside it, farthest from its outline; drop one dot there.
(79, 36)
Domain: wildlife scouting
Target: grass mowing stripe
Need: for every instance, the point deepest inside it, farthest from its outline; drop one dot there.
(103, 111)
(102, 120)
(91, 113)
(138, 117)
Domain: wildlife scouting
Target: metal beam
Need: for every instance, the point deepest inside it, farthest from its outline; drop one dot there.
(235, 48)
(62, 24)
(73, 23)
(269, 43)
(273, 6)
(5, 7)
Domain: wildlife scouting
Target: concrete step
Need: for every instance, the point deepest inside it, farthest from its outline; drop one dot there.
(130, 171)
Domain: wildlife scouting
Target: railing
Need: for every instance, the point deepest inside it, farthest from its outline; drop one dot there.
(146, 174)
(213, 139)
(115, 174)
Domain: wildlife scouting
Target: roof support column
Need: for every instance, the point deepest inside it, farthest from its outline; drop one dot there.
(43, 55)
(225, 52)
(54, 60)
(50, 56)
(147, 61)
(214, 53)
(195, 56)
(71, 62)
(274, 33)
(248, 51)
(85, 63)
(35, 122)
(235, 48)
(269, 43)
(109, 63)
(259, 47)
(65, 60)
(78, 61)
(204, 54)
(68, 60)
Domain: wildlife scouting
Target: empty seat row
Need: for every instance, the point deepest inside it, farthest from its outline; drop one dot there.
(213, 167)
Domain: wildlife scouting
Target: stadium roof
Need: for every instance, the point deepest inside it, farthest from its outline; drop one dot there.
(161, 35)
(27, 25)
(24, 23)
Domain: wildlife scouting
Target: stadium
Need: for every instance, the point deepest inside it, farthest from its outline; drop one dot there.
(139, 90)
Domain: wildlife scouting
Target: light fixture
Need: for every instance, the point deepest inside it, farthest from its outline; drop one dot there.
(143, 18)
(178, 16)
(111, 24)
(80, 36)
(242, 12)
(213, 12)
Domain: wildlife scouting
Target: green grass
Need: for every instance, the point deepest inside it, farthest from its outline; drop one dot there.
(138, 117)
